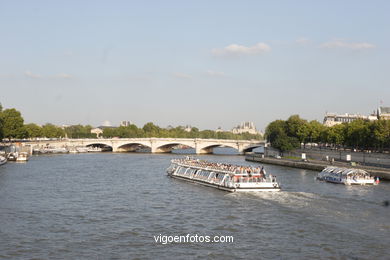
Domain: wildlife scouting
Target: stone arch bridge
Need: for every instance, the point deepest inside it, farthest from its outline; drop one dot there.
(156, 145)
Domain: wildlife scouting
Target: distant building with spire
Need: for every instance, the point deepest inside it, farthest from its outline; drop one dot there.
(125, 123)
(246, 127)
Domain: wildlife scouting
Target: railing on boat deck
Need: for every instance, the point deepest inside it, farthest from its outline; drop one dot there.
(230, 182)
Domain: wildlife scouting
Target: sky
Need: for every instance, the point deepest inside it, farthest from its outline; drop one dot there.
(207, 64)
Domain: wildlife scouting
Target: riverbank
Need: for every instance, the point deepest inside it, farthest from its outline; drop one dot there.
(316, 165)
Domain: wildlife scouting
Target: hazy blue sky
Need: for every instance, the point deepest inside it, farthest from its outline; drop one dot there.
(204, 63)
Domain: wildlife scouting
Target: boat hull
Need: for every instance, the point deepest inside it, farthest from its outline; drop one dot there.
(348, 182)
(222, 179)
(221, 187)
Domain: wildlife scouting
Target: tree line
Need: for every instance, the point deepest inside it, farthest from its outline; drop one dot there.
(289, 134)
(152, 130)
(12, 127)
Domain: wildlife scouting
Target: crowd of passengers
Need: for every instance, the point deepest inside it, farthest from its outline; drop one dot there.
(355, 176)
(236, 169)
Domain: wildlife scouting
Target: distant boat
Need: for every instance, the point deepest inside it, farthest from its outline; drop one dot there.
(22, 157)
(82, 149)
(347, 176)
(50, 150)
(3, 160)
(12, 156)
(92, 149)
(79, 149)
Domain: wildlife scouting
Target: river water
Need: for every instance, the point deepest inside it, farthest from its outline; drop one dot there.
(110, 206)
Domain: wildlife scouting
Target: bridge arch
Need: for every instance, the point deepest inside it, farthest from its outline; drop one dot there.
(251, 148)
(209, 148)
(166, 148)
(105, 146)
(133, 147)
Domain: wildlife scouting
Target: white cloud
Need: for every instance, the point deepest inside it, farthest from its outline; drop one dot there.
(182, 75)
(29, 74)
(237, 50)
(213, 73)
(340, 43)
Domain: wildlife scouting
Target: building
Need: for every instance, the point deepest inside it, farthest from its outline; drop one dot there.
(245, 127)
(219, 129)
(187, 128)
(332, 119)
(383, 113)
(125, 123)
(98, 131)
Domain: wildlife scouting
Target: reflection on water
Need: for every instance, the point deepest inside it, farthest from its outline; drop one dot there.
(103, 206)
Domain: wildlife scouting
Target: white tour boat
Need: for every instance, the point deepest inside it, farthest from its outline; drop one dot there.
(22, 157)
(346, 176)
(3, 160)
(45, 150)
(222, 176)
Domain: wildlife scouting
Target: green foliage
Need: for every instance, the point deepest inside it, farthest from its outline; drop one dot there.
(12, 124)
(79, 131)
(280, 133)
(33, 130)
(315, 131)
(52, 131)
(359, 134)
(334, 135)
(152, 130)
(294, 127)
(274, 130)
(1, 123)
(380, 137)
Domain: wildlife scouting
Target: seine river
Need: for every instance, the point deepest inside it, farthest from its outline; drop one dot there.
(112, 206)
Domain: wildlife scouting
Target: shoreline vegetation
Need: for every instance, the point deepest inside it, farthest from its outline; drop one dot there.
(359, 135)
(12, 127)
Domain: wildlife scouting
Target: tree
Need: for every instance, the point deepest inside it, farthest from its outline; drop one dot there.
(1, 123)
(335, 135)
(293, 124)
(315, 130)
(52, 131)
(303, 133)
(13, 124)
(79, 131)
(275, 129)
(380, 136)
(277, 133)
(286, 143)
(357, 134)
(151, 130)
(33, 130)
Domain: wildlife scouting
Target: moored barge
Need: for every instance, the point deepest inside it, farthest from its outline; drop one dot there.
(222, 176)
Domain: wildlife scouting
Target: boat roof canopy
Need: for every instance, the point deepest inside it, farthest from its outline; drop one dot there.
(346, 171)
